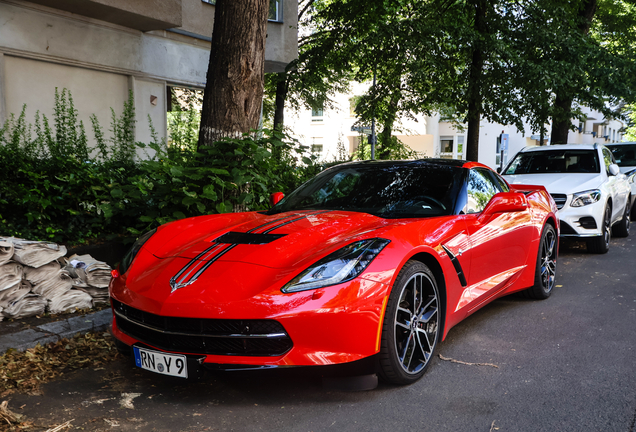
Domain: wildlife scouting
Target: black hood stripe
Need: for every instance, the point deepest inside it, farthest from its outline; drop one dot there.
(198, 265)
(193, 265)
(294, 220)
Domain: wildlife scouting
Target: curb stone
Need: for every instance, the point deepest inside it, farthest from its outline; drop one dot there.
(54, 331)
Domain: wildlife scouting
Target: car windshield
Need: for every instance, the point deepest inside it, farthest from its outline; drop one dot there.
(625, 154)
(384, 190)
(554, 161)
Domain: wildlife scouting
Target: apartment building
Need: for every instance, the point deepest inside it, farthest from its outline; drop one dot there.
(327, 130)
(102, 49)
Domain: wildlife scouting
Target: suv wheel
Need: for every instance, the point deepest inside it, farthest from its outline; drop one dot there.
(621, 229)
(600, 244)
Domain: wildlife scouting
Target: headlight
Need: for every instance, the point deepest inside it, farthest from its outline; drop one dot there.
(132, 253)
(340, 266)
(585, 198)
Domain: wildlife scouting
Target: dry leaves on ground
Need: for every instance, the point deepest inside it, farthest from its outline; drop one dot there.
(10, 421)
(25, 371)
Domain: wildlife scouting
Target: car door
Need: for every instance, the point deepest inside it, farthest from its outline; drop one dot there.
(499, 242)
(615, 185)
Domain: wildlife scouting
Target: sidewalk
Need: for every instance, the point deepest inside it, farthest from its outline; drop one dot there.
(27, 333)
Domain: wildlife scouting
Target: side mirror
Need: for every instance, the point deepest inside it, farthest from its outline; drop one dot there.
(614, 170)
(505, 202)
(275, 198)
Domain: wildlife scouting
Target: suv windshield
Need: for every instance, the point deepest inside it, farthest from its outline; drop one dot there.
(384, 190)
(554, 161)
(625, 154)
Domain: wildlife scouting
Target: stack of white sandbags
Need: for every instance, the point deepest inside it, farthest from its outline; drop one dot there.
(90, 275)
(35, 277)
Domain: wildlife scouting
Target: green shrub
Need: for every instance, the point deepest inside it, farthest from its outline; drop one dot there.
(54, 187)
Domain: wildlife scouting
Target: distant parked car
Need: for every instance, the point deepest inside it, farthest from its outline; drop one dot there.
(591, 193)
(625, 155)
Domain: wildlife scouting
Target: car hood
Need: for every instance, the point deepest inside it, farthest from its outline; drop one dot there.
(564, 183)
(194, 254)
(276, 241)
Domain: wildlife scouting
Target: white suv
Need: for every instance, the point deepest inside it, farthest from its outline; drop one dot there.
(590, 192)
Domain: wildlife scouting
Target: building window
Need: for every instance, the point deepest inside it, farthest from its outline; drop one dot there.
(317, 145)
(451, 147)
(316, 113)
(460, 146)
(275, 10)
(446, 147)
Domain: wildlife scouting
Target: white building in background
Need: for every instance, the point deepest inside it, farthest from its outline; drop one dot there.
(323, 129)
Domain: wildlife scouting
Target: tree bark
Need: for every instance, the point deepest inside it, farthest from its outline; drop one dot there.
(474, 86)
(562, 112)
(234, 86)
(281, 95)
(561, 120)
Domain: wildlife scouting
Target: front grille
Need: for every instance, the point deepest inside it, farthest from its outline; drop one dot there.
(587, 222)
(559, 199)
(203, 336)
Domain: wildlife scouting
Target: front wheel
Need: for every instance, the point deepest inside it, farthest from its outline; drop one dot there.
(545, 273)
(412, 325)
(600, 244)
(621, 229)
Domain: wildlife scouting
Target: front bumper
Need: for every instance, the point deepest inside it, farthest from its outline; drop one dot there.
(584, 222)
(330, 325)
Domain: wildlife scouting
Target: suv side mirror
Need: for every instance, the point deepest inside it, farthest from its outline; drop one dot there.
(614, 170)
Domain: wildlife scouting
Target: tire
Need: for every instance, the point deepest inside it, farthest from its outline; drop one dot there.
(412, 325)
(122, 348)
(621, 229)
(600, 244)
(545, 270)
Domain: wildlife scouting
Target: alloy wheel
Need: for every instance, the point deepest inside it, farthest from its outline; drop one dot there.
(607, 225)
(416, 323)
(548, 260)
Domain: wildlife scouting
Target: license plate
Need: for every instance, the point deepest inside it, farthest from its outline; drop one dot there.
(160, 362)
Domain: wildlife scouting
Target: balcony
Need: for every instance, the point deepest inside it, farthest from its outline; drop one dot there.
(144, 15)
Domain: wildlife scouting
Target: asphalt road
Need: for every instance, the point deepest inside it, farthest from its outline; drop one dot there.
(563, 364)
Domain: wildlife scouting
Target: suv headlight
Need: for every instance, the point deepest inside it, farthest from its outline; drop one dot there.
(340, 266)
(585, 198)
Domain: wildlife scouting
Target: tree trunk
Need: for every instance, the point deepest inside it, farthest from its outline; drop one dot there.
(474, 86)
(562, 113)
(234, 86)
(388, 120)
(281, 95)
(561, 120)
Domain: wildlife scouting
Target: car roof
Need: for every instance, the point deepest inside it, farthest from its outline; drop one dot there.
(621, 143)
(418, 162)
(562, 147)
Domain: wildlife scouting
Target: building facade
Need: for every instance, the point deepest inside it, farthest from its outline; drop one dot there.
(100, 50)
(327, 130)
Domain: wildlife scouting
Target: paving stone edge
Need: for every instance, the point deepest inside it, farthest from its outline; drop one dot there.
(54, 331)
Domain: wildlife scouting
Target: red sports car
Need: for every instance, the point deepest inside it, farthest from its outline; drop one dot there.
(375, 259)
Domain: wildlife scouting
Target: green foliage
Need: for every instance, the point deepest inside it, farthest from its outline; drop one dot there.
(54, 187)
(392, 149)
